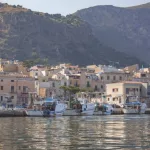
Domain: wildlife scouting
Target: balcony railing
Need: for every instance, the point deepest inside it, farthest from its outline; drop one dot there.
(13, 91)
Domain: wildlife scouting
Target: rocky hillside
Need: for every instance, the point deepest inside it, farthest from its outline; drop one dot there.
(147, 5)
(125, 29)
(53, 39)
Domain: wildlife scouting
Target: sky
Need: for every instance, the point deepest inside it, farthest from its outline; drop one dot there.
(65, 7)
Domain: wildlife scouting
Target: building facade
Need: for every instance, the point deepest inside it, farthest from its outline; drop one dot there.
(117, 93)
(15, 89)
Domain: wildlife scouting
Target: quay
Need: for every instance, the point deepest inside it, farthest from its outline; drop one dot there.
(16, 113)
(147, 111)
(12, 113)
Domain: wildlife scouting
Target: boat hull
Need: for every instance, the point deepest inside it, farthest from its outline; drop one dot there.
(88, 109)
(102, 113)
(87, 112)
(133, 111)
(60, 109)
(34, 113)
(72, 112)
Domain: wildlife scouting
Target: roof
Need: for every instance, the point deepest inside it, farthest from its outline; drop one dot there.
(126, 82)
(92, 66)
(134, 82)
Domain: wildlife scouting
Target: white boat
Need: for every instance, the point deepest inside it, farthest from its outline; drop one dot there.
(2, 108)
(60, 109)
(87, 108)
(48, 107)
(34, 113)
(134, 108)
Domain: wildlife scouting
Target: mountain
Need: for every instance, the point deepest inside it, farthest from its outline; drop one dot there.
(124, 29)
(147, 5)
(45, 38)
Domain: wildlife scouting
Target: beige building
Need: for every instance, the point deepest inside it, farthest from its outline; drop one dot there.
(116, 93)
(131, 69)
(13, 67)
(48, 89)
(15, 89)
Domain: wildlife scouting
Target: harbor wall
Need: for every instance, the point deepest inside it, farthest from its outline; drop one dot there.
(12, 113)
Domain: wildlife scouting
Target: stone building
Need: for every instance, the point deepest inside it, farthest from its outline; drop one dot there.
(15, 89)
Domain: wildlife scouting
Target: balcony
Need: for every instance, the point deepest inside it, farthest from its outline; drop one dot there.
(24, 92)
(13, 92)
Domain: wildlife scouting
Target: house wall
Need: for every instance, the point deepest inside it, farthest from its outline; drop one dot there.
(118, 92)
(21, 87)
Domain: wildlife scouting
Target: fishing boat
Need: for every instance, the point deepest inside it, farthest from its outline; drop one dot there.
(103, 109)
(74, 109)
(135, 107)
(48, 107)
(87, 107)
(2, 108)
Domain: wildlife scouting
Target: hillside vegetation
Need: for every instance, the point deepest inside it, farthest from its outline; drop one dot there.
(44, 38)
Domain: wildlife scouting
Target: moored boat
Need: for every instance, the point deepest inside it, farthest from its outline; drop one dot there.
(87, 107)
(135, 107)
(34, 113)
(46, 108)
(103, 109)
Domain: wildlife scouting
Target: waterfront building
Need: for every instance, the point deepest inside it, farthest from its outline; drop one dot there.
(116, 93)
(15, 88)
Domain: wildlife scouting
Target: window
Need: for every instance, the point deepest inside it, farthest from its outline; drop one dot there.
(1, 98)
(65, 84)
(76, 84)
(119, 100)
(19, 87)
(2, 87)
(1, 80)
(115, 90)
(113, 99)
(53, 84)
(88, 84)
(70, 82)
(12, 97)
(102, 86)
(12, 80)
(108, 77)
(127, 90)
(101, 77)
(12, 88)
(108, 99)
(24, 89)
(143, 75)
(95, 89)
(120, 78)
(114, 77)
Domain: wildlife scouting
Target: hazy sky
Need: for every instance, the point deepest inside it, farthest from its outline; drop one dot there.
(69, 6)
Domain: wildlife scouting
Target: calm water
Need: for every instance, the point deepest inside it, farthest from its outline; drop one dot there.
(71, 133)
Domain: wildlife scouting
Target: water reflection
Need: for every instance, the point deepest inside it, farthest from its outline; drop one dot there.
(70, 133)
